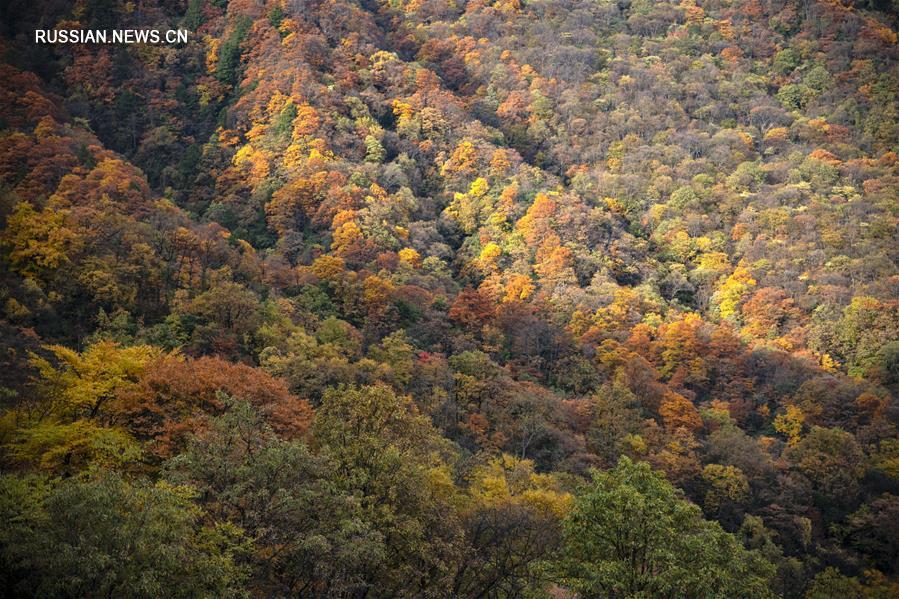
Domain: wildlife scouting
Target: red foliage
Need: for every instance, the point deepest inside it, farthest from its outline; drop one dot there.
(175, 395)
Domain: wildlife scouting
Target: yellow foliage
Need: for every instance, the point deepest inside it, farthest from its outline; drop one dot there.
(378, 193)
(714, 262)
(343, 216)
(403, 110)
(328, 268)
(539, 213)
(508, 6)
(777, 134)
(518, 288)
(306, 122)
(228, 137)
(613, 205)
(212, 53)
(693, 13)
(410, 256)
(84, 381)
(678, 412)
(478, 187)
(828, 363)
(37, 240)
(465, 211)
(78, 389)
(790, 424)
(59, 447)
(732, 291)
(253, 160)
(347, 234)
(490, 252)
(636, 444)
(376, 291)
(319, 158)
(277, 103)
(499, 162)
(382, 57)
(256, 131)
(508, 480)
(726, 28)
(461, 161)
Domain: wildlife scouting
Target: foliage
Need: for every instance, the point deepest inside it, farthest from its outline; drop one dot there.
(101, 535)
(384, 282)
(631, 535)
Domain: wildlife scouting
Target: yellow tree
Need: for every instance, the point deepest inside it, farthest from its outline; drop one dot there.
(732, 291)
(72, 426)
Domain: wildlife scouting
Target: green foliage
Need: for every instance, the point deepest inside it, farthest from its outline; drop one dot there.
(284, 121)
(726, 484)
(862, 336)
(830, 583)
(102, 535)
(832, 461)
(630, 533)
(227, 69)
(276, 16)
(286, 499)
(374, 151)
(389, 457)
(193, 18)
(794, 96)
(818, 79)
(785, 61)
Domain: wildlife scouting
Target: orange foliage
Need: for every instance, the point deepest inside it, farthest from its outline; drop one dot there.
(472, 309)
(677, 412)
(173, 397)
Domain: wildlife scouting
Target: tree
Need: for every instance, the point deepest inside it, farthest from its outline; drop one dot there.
(631, 534)
(71, 424)
(874, 531)
(677, 412)
(284, 497)
(790, 423)
(38, 241)
(174, 396)
(225, 317)
(511, 519)
(472, 309)
(830, 583)
(724, 485)
(832, 460)
(390, 458)
(101, 536)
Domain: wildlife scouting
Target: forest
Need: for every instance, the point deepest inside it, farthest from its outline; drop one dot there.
(451, 298)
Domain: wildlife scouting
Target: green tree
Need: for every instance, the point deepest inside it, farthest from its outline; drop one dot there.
(830, 583)
(631, 534)
(834, 463)
(724, 485)
(103, 536)
(392, 459)
(228, 67)
(310, 537)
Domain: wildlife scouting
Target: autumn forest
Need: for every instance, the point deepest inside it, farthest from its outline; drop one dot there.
(451, 298)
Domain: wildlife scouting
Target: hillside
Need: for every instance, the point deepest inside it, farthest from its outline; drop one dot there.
(433, 298)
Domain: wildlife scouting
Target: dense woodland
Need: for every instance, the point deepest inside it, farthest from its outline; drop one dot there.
(447, 298)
